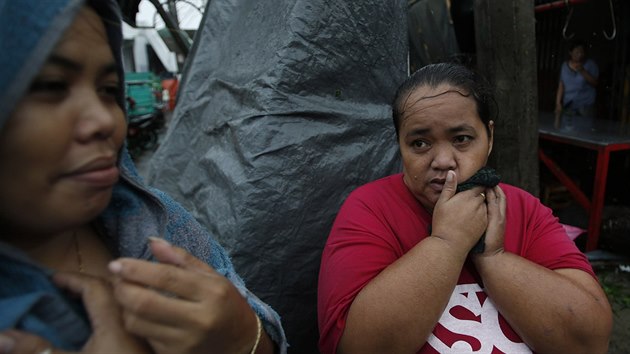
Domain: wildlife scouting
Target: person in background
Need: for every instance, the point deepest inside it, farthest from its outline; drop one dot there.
(401, 272)
(578, 83)
(92, 259)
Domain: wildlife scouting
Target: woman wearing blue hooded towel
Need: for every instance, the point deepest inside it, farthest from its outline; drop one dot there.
(91, 259)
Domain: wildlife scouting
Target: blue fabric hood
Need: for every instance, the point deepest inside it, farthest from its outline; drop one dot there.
(30, 29)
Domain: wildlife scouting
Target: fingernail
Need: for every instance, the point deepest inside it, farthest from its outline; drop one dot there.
(6, 344)
(115, 267)
(159, 240)
(449, 176)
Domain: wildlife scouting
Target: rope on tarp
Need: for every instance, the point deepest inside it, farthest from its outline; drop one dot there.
(557, 4)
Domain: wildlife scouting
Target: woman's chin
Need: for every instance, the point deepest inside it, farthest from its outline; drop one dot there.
(88, 208)
(428, 203)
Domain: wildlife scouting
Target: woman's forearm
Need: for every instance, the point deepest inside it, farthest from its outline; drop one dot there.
(559, 94)
(588, 77)
(563, 311)
(398, 309)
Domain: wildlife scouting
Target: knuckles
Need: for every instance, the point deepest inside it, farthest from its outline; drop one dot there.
(134, 300)
(166, 277)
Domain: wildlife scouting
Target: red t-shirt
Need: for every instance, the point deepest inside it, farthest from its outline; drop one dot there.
(381, 221)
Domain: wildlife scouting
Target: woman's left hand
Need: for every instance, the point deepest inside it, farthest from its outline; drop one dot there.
(182, 305)
(108, 334)
(494, 240)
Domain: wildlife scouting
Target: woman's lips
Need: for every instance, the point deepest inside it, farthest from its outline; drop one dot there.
(98, 175)
(105, 177)
(437, 185)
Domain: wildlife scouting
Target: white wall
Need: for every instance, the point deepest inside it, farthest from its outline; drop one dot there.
(149, 36)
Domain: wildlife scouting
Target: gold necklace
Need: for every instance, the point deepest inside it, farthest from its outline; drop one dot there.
(78, 251)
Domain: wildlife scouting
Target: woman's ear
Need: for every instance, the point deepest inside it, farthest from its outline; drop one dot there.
(491, 136)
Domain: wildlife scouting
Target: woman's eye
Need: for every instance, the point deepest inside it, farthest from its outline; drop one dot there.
(110, 90)
(463, 139)
(51, 87)
(419, 144)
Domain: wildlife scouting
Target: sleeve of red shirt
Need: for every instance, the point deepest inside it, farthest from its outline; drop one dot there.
(355, 253)
(544, 240)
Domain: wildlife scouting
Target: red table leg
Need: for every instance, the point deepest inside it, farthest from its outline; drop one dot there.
(573, 188)
(599, 192)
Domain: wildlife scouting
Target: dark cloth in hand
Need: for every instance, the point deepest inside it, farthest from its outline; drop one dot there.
(485, 177)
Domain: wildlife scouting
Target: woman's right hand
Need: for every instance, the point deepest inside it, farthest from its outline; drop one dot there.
(108, 333)
(460, 218)
(182, 305)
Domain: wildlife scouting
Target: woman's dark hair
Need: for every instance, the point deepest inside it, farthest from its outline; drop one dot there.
(468, 82)
(577, 43)
(110, 14)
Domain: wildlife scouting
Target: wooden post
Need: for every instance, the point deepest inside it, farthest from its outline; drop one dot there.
(506, 55)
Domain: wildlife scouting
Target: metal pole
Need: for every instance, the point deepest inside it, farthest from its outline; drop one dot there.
(173, 27)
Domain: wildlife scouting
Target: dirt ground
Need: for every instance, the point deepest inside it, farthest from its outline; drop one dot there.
(616, 284)
(613, 272)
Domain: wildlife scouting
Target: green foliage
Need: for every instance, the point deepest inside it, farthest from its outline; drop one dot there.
(616, 286)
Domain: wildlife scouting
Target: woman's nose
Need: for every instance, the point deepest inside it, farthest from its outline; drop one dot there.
(443, 158)
(97, 118)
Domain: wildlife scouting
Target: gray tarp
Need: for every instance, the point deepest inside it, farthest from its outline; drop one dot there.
(283, 110)
(431, 32)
